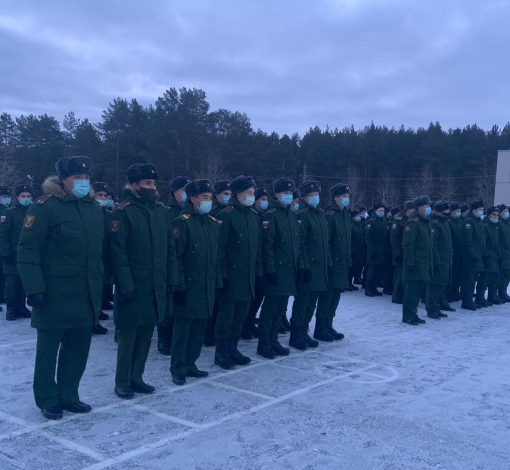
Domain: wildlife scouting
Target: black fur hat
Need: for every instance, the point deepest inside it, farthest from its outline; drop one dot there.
(283, 184)
(309, 187)
(454, 206)
(99, 186)
(490, 210)
(5, 191)
(220, 186)
(378, 206)
(242, 183)
(395, 210)
(354, 213)
(362, 208)
(464, 208)
(441, 206)
(261, 192)
(408, 205)
(339, 189)
(178, 182)
(476, 205)
(422, 201)
(142, 171)
(296, 194)
(69, 166)
(196, 187)
(23, 188)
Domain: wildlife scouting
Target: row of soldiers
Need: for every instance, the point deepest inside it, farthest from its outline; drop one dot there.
(173, 266)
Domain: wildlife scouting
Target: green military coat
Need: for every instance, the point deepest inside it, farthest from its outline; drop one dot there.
(11, 223)
(473, 244)
(456, 233)
(358, 254)
(418, 248)
(280, 248)
(240, 250)
(174, 208)
(339, 232)
(377, 240)
(396, 238)
(60, 253)
(504, 244)
(142, 256)
(314, 242)
(492, 246)
(442, 250)
(197, 240)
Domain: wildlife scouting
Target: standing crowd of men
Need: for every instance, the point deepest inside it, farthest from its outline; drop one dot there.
(200, 268)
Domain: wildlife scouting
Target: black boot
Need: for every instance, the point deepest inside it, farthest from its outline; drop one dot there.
(276, 346)
(236, 355)
(308, 340)
(165, 339)
(264, 348)
(336, 335)
(468, 305)
(222, 354)
(209, 339)
(493, 298)
(285, 323)
(321, 332)
(11, 313)
(23, 310)
(296, 338)
(99, 330)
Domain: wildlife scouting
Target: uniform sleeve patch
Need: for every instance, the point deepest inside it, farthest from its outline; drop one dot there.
(114, 226)
(468, 226)
(299, 221)
(265, 224)
(176, 232)
(2, 219)
(219, 222)
(29, 221)
(368, 227)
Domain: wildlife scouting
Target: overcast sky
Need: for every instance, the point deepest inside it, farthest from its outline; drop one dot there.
(288, 64)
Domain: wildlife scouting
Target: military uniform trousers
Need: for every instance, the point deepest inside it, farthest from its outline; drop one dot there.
(254, 308)
(231, 316)
(434, 298)
(375, 274)
(187, 339)
(412, 293)
(270, 320)
(165, 327)
(398, 285)
(486, 281)
(328, 303)
(72, 346)
(469, 280)
(303, 307)
(504, 280)
(14, 292)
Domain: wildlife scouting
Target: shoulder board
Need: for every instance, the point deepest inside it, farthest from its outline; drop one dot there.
(212, 218)
(12, 208)
(229, 209)
(43, 199)
(330, 212)
(303, 211)
(185, 216)
(412, 220)
(123, 205)
(271, 211)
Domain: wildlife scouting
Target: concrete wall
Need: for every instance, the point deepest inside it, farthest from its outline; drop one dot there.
(502, 193)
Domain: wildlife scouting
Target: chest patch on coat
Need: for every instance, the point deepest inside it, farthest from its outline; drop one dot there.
(2, 219)
(468, 226)
(176, 232)
(114, 226)
(265, 224)
(29, 221)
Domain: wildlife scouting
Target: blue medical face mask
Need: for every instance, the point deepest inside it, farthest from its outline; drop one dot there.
(428, 211)
(295, 208)
(494, 220)
(205, 207)
(264, 205)
(314, 200)
(380, 214)
(101, 202)
(357, 218)
(6, 201)
(507, 214)
(286, 199)
(184, 197)
(479, 214)
(248, 201)
(345, 201)
(225, 199)
(457, 214)
(81, 188)
(109, 203)
(26, 201)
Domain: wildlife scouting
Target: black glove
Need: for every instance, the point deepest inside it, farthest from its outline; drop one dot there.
(36, 300)
(398, 259)
(180, 297)
(9, 259)
(304, 275)
(474, 259)
(127, 297)
(373, 255)
(330, 272)
(272, 279)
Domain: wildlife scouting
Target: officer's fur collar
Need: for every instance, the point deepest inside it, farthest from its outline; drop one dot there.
(52, 185)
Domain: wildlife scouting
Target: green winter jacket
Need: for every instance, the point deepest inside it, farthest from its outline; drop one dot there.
(240, 250)
(377, 240)
(396, 238)
(442, 250)
(339, 232)
(359, 257)
(174, 208)
(456, 233)
(418, 248)
(473, 244)
(492, 256)
(504, 244)
(280, 248)
(11, 223)
(197, 240)
(142, 256)
(60, 254)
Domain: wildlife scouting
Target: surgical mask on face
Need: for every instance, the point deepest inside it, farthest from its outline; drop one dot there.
(225, 199)
(457, 214)
(264, 205)
(205, 207)
(286, 199)
(81, 188)
(184, 197)
(479, 214)
(248, 201)
(428, 211)
(6, 201)
(26, 201)
(345, 201)
(109, 203)
(357, 219)
(494, 220)
(314, 200)
(101, 202)
(295, 208)
(380, 214)
(507, 214)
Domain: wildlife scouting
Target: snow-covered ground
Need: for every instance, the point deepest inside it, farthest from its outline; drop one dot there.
(389, 396)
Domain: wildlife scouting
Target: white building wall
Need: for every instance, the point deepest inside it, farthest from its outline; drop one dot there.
(502, 192)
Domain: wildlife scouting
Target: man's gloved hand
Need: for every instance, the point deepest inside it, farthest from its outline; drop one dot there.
(36, 300)
(180, 297)
(9, 259)
(272, 279)
(127, 297)
(304, 275)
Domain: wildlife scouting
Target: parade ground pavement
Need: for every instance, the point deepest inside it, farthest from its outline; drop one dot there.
(389, 396)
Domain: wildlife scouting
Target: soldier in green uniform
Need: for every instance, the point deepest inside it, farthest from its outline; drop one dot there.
(10, 228)
(221, 197)
(396, 237)
(60, 264)
(281, 261)
(443, 253)
(473, 251)
(455, 222)
(378, 250)
(418, 259)
(504, 244)
(250, 329)
(176, 200)
(313, 276)
(197, 238)
(489, 277)
(141, 250)
(357, 248)
(240, 255)
(5, 203)
(339, 233)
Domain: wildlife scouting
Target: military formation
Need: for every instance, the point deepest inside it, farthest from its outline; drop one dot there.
(201, 268)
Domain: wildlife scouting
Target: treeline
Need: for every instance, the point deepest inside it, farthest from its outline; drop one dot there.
(181, 135)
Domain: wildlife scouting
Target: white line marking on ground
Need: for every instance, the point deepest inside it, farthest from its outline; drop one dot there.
(241, 390)
(13, 345)
(174, 419)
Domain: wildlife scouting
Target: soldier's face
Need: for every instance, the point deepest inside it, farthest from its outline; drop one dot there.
(380, 211)
(494, 215)
(224, 194)
(423, 208)
(147, 184)
(178, 195)
(101, 195)
(24, 195)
